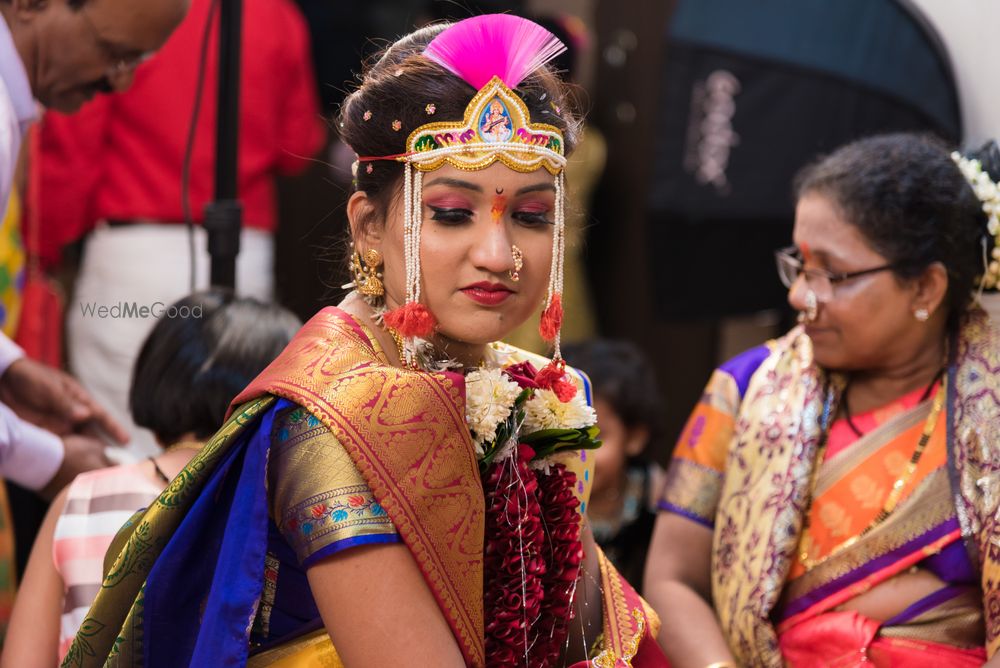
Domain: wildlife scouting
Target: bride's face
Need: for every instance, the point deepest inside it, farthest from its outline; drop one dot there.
(471, 221)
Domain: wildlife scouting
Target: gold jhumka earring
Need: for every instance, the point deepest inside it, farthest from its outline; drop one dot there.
(367, 274)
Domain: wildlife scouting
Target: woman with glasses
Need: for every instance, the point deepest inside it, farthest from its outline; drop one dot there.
(833, 497)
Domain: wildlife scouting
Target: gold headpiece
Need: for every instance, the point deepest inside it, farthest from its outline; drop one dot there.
(496, 128)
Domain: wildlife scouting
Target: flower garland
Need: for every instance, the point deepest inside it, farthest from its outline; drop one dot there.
(519, 418)
(988, 193)
(533, 550)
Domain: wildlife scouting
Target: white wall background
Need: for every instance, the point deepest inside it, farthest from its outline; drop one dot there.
(970, 30)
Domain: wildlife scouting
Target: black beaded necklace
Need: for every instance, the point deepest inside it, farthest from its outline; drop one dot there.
(847, 408)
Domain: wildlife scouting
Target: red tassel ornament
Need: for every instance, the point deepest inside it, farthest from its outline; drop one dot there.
(565, 390)
(553, 377)
(552, 318)
(550, 373)
(411, 320)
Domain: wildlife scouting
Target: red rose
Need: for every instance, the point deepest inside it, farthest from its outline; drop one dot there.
(523, 374)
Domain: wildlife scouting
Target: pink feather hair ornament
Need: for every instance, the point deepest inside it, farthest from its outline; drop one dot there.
(482, 47)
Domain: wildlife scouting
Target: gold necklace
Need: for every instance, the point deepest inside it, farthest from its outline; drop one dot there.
(398, 339)
(895, 493)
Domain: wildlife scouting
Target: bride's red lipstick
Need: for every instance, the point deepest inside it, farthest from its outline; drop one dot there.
(487, 294)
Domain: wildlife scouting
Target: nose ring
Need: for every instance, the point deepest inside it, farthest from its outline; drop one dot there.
(518, 256)
(812, 308)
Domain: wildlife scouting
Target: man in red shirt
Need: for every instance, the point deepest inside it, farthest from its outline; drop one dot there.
(113, 171)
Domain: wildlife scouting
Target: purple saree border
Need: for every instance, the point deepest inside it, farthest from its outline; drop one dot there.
(347, 543)
(816, 595)
(666, 506)
(928, 602)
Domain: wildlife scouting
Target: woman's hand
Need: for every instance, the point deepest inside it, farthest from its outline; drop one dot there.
(679, 587)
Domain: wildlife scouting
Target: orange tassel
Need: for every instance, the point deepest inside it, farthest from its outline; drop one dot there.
(552, 318)
(411, 320)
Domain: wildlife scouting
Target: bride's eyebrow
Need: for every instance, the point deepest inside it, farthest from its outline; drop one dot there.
(455, 183)
(537, 187)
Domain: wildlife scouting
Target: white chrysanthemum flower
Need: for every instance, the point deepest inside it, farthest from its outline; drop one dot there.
(545, 411)
(986, 190)
(489, 398)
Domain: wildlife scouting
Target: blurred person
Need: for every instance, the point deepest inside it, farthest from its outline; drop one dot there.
(60, 53)
(832, 499)
(64, 52)
(112, 174)
(626, 484)
(393, 480)
(207, 348)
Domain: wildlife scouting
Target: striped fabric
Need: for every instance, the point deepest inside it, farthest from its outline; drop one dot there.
(98, 503)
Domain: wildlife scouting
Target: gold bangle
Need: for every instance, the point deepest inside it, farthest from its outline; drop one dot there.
(721, 664)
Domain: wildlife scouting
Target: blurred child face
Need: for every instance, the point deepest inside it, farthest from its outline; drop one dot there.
(618, 443)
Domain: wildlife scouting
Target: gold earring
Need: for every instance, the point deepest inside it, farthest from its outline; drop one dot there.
(515, 273)
(367, 274)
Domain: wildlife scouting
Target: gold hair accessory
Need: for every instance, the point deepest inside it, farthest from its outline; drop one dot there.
(515, 273)
(367, 274)
(496, 127)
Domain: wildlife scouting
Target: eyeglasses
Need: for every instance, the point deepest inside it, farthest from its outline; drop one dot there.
(820, 281)
(122, 59)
